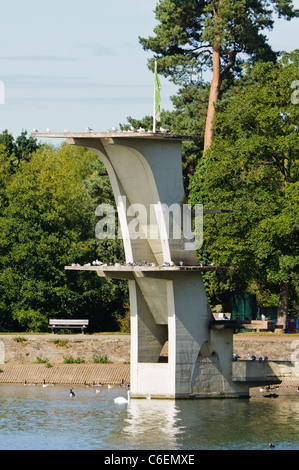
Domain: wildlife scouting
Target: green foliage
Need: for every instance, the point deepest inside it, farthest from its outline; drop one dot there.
(19, 339)
(71, 360)
(252, 168)
(101, 360)
(62, 343)
(187, 31)
(217, 35)
(47, 221)
(124, 321)
(39, 360)
(18, 149)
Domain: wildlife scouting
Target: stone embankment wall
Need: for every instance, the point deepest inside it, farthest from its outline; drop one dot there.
(36, 357)
(55, 348)
(275, 347)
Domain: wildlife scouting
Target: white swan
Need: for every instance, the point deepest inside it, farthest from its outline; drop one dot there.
(121, 400)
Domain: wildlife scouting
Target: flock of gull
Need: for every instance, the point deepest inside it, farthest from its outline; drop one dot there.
(143, 263)
(252, 357)
(114, 129)
(268, 388)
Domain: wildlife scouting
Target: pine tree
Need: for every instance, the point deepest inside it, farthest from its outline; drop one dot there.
(195, 35)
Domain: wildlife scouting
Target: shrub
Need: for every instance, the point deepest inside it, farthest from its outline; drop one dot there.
(101, 360)
(71, 360)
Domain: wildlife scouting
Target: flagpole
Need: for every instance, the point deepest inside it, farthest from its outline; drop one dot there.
(154, 111)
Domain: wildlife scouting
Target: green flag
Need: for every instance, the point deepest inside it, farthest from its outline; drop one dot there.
(157, 98)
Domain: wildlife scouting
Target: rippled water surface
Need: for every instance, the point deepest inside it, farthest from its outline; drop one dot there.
(37, 418)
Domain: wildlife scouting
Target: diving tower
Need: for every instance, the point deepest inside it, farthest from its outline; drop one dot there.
(168, 302)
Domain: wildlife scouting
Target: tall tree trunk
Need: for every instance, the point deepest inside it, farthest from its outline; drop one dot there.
(282, 311)
(214, 94)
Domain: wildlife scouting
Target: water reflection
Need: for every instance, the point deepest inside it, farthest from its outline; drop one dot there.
(149, 419)
(37, 418)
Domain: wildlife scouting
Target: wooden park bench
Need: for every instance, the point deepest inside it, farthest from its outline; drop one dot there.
(83, 324)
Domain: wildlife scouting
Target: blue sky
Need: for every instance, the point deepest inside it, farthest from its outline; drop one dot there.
(72, 64)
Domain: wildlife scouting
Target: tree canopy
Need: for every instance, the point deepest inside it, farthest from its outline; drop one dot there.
(252, 168)
(47, 221)
(194, 35)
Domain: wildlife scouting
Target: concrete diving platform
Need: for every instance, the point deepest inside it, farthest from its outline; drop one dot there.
(130, 272)
(167, 303)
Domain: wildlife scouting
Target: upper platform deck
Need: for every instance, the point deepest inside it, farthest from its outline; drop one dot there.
(114, 135)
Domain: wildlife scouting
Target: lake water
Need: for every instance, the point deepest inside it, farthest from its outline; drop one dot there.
(37, 418)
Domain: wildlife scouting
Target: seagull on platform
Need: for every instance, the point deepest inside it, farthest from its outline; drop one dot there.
(97, 263)
(34, 130)
(132, 128)
(141, 130)
(212, 264)
(164, 130)
(66, 130)
(89, 129)
(49, 130)
(181, 263)
(114, 129)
